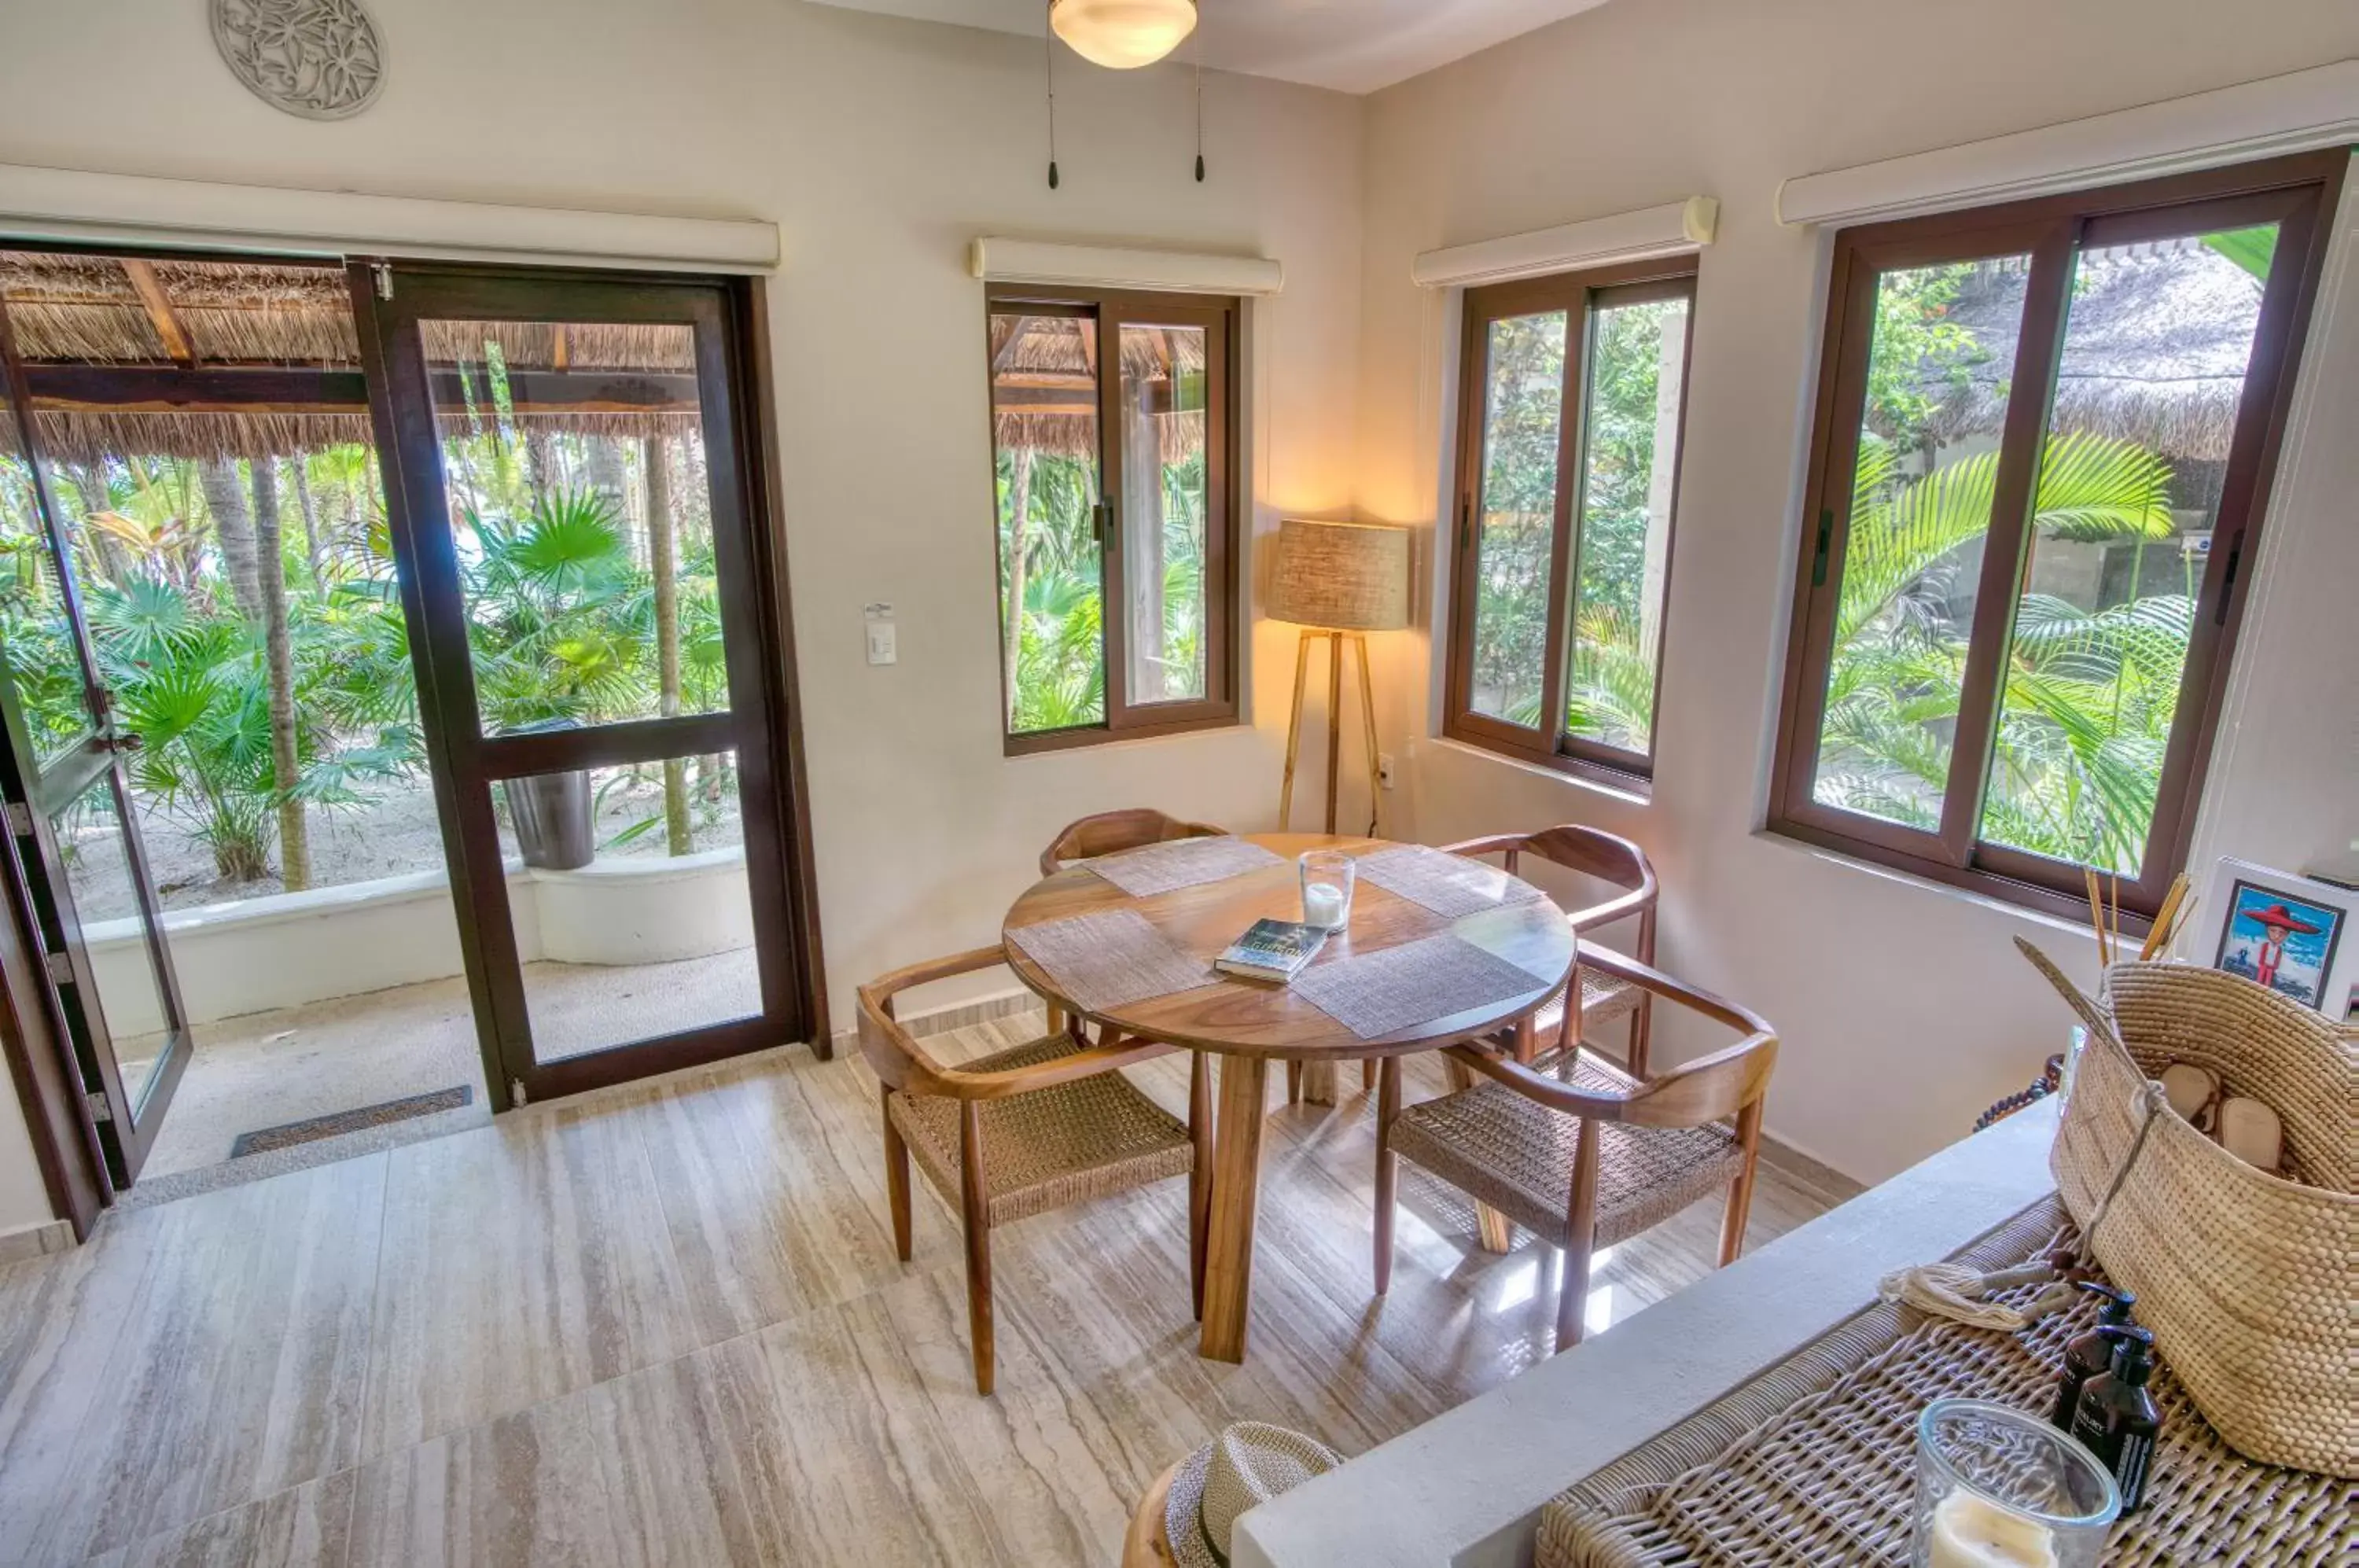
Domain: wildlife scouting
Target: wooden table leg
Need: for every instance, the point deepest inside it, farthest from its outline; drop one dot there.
(1319, 1082)
(1493, 1230)
(1236, 1195)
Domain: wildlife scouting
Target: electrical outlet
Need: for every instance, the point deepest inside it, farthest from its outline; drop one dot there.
(1383, 769)
(884, 644)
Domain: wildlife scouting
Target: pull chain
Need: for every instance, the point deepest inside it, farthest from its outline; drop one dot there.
(1200, 110)
(1048, 66)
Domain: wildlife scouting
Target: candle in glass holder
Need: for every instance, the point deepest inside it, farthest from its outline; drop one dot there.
(1972, 1531)
(1323, 904)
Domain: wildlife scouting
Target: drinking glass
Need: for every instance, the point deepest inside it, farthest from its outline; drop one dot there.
(1997, 1486)
(1327, 878)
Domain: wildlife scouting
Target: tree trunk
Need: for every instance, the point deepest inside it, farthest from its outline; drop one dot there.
(234, 526)
(294, 844)
(539, 461)
(1142, 547)
(1671, 370)
(302, 468)
(106, 553)
(655, 460)
(1019, 542)
(605, 473)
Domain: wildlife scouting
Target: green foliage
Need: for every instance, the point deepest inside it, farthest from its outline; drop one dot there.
(561, 621)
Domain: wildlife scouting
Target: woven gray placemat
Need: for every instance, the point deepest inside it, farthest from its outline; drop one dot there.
(1449, 884)
(1114, 956)
(1182, 863)
(1395, 987)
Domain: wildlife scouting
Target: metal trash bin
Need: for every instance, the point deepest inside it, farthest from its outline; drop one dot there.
(550, 812)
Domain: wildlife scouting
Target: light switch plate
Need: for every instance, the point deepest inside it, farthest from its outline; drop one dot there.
(882, 638)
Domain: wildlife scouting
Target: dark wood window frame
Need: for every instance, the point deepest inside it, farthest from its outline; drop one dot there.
(1222, 319)
(1579, 295)
(2298, 194)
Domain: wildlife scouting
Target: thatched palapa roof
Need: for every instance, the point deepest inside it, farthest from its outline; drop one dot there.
(1044, 386)
(2157, 339)
(188, 359)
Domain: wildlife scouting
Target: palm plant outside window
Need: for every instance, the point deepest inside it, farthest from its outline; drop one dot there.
(1568, 465)
(2045, 439)
(1112, 425)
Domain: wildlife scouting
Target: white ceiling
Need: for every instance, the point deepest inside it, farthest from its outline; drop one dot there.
(1352, 46)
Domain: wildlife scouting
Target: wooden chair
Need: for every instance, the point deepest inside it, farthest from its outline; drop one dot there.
(1025, 1130)
(1591, 1155)
(1111, 833)
(1611, 859)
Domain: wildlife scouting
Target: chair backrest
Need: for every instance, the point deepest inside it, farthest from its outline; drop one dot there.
(1109, 833)
(1593, 851)
(1709, 1089)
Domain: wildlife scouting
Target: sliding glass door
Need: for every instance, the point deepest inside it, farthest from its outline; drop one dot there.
(600, 659)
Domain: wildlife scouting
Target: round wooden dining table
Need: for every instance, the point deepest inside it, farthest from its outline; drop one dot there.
(1248, 1024)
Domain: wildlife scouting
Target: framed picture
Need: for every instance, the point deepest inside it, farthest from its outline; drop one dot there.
(2286, 933)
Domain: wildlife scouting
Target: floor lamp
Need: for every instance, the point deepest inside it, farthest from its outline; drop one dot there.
(1337, 581)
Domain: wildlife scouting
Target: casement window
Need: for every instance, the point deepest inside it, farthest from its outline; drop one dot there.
(1114, 441)
(1573, 391)
(2044, 443)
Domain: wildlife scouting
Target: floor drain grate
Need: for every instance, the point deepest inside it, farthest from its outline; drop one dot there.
(315, 1127)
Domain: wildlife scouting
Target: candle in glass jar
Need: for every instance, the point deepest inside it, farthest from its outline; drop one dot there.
(1970, 1532)
(1323, 904)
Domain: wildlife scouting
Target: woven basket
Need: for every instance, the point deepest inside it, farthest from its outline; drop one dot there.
(2249, 1281)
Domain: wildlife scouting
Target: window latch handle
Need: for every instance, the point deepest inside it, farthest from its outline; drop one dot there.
(2228, 578)
(1819, 557)
(1465, 522)
(1102, 523)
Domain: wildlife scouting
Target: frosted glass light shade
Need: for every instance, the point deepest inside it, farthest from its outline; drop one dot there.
(1123, 35)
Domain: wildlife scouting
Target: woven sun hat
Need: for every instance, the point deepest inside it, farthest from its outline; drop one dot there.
(1249, 1463)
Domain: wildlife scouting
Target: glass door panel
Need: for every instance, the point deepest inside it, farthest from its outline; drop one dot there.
(570, 499)
(67, 799)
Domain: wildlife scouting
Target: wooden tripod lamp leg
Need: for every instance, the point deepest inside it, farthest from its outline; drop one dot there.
(1294, 730)
(1368, 728)
(1334, 721)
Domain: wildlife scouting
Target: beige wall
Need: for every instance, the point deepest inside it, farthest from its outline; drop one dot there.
(880, 147)
(1903, 1006)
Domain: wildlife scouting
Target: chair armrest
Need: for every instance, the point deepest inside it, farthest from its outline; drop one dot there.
(1538, 1086)
(1490, 843)
(1743, 1019)
(898, 1058)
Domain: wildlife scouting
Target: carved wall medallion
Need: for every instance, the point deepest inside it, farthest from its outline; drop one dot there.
(318, 59)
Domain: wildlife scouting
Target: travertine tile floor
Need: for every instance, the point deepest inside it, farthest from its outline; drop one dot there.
(665, 1326)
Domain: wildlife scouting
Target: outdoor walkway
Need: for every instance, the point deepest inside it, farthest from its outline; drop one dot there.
(266, 1070)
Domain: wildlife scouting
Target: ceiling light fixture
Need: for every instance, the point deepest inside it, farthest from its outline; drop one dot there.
(1123, 35)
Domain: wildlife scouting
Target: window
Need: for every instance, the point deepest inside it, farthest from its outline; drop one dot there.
(1567, 466)
(2045, 437)
(1113, 442)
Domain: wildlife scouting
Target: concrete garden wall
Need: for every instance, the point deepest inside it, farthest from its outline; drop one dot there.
(254, 954)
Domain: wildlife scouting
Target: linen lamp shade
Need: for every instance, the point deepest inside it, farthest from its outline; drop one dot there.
(1346, 576)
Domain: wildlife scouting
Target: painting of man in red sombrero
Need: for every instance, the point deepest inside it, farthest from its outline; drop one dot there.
(2280, 942)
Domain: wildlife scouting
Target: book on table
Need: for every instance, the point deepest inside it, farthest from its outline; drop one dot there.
(1272, 949)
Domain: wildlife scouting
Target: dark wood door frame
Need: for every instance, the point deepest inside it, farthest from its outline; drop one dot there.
(762, 724)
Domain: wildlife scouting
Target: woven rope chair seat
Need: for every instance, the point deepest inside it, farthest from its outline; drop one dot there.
(1517, 1156)
(1042, 1150)
(1604, 998)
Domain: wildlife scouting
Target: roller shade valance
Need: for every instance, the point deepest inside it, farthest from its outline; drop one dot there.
(1671, 230)
(2300, 111)
(1000, 260)
(84, 206)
